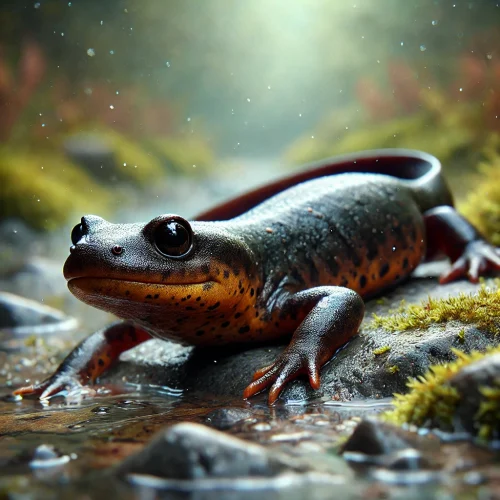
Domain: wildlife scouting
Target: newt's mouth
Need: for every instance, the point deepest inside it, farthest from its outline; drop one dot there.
(96, 291)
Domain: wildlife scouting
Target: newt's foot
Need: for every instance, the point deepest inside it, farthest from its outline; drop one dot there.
(290, 364)
(478, 258)
(57, 383)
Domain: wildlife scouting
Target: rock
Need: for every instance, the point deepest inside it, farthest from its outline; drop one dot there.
(20, 316)
(93, 153)
(225, 418)
(372, 437)
(194, 451)
(354, 373)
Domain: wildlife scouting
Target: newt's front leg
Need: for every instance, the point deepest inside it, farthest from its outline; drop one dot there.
(90, 359)
(334, 315)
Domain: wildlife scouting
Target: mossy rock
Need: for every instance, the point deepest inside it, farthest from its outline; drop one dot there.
(184, 155)
(463, 395)
(133, 161)
(44, 189)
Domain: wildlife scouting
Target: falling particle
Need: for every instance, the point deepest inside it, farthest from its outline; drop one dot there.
(124, 164)
(111, 52)
(167, 64)
(62, 34)
(37, 5)
(40, 114)
(117, 92)
(300, 115)
(248, 99)
(69, 4)
(111, 106)
(91, 52)
(194, 166)
(402, 43)
(489, 56)
(434, 23)
(102, 22)
(393, 249)
(312, 136)
(347, 128)
(188, 118)
(43, 124)
(88, 91)
(135, 166)
(460, 89)
(269, 87)
(423, 48)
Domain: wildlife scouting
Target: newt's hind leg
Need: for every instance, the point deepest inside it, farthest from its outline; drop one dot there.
(450, 233)
(333, 317)
(90, 359)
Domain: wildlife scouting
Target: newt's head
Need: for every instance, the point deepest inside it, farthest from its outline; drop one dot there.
(168, 275)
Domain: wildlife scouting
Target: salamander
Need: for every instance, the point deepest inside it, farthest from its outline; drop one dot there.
(295, 258)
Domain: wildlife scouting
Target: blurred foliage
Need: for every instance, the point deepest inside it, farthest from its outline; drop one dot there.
(45, 189)
(482, 205)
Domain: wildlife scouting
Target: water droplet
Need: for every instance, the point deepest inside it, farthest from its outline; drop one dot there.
(188, 118)
(489, 56)
(111, 52)
(300, 115)
(393, 249)
(167, 64)
(423, 48)
(62, 34)
(102, 22)
(402, 43)
(69, 4)
(43, 124)
(125, 164)
(460, 89)
(312, 136)
(111, 106)
(269, 87)
(91, 52)
(194, 166)
(434, 23)
(248, 99)
(117, 92)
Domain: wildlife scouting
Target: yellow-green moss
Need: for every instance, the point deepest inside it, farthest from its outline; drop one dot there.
(187, 155)
(393, 369)
(482, 205)
(461, 336)
(481, 309)
(432, 401)
(381, 350)
(133, 162)
(45, 189)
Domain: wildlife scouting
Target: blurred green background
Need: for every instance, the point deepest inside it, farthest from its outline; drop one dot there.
(116, 93)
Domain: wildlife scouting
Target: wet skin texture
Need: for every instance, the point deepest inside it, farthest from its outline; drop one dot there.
(293, 258)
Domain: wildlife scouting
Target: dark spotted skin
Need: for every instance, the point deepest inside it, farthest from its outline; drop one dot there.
(293, 258)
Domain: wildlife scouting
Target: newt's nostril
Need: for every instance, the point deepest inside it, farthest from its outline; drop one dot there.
(117, 250)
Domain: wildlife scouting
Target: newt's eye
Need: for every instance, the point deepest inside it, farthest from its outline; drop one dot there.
(77, 234)
(173, 237)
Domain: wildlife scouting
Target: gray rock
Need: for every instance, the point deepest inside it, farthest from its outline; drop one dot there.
(225, 418)
(20, 316)
(194, 451)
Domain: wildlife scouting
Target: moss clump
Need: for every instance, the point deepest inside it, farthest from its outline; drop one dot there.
(393, 369)
(186, 155)
(45, 189)
(481, 309)
(482, 205)
(432, 400)
(133, 162)
(381, 350)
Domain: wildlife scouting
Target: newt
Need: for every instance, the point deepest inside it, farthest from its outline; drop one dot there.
(295, 258)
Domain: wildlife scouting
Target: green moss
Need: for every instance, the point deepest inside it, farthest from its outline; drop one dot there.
(381, 350)
(461, 336)
(481, 309)
(45, 189)
(432, 401)
(482, 205)
(393, 369)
